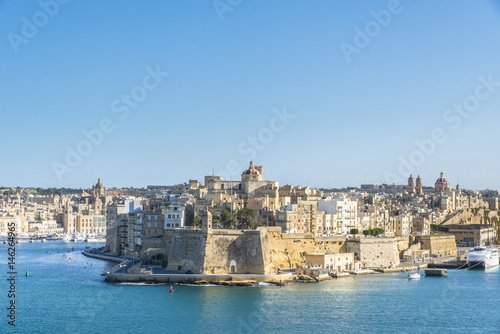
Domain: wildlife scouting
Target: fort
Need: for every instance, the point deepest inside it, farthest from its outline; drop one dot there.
(264, 251)
(218, 251)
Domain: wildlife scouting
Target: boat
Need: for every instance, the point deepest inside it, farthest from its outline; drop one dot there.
(413, 274)
(54, 237)
(66, 238)
(91, 238)
(481, 257)
(23, 237)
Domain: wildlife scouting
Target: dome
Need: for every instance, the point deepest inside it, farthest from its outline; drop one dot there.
(251, 171)
(99, 184)
(442, 179)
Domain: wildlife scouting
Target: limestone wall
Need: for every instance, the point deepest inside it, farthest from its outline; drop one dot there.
(288, 250)
(238, 251)
(187, 249)
(375, 252)
(403, 244)
(440, 245)
(261, 251)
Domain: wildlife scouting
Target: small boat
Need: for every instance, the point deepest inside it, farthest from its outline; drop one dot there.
(413, 275)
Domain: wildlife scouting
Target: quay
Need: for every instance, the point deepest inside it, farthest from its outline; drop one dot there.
(119, 274)
(448, 265)
(435, 272)
(232, 280)
(107, 257)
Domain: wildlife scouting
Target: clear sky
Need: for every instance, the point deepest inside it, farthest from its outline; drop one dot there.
(355, 86)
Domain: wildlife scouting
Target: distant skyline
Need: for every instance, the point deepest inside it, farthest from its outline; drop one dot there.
(330, 94)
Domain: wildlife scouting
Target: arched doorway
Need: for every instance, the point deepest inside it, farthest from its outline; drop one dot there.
(232, 266)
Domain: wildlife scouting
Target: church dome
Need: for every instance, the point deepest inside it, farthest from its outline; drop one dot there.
(441, 179)
(99, 184)
(251, 171)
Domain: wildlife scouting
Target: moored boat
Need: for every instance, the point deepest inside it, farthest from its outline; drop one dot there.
(413, 275)
(481, 257)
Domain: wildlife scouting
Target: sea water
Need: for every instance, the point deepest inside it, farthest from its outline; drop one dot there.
(65, 293)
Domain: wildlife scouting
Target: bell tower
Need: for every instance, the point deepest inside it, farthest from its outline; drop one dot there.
(419, 186)
(411, 186)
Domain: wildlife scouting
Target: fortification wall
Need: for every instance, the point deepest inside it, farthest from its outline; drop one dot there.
(186, 250)
(241, 253)
(375, 252)
(403, 244)
(288, 250)
(262, 251)
(440, 245)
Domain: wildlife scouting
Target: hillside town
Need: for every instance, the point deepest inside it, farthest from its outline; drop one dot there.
(215, 226)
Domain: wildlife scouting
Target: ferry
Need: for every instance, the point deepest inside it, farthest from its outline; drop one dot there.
(481, 257)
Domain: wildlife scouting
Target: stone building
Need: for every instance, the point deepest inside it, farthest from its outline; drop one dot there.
(445, 198)
(411, 185)
(251, 185)
(471, 235)
(331, 260)
(97, 189)
(419, 186)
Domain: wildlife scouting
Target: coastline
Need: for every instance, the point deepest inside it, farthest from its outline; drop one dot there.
(118, 274)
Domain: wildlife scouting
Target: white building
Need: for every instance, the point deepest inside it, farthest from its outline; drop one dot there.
(345, 214)
(175, 217)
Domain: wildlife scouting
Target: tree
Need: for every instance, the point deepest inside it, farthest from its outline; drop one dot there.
(439, 228)
(354, 231)
(248, 218)
(367, 232)
(226, 218)
(215, 219)
(195, 222)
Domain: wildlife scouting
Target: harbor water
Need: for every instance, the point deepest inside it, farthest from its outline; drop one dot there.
(64, 293)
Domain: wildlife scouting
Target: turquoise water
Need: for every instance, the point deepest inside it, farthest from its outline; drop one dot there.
(70, 296)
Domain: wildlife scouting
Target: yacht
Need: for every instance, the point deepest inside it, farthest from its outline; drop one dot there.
(481, 257)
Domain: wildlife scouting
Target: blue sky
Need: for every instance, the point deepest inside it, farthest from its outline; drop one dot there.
(355, 118)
